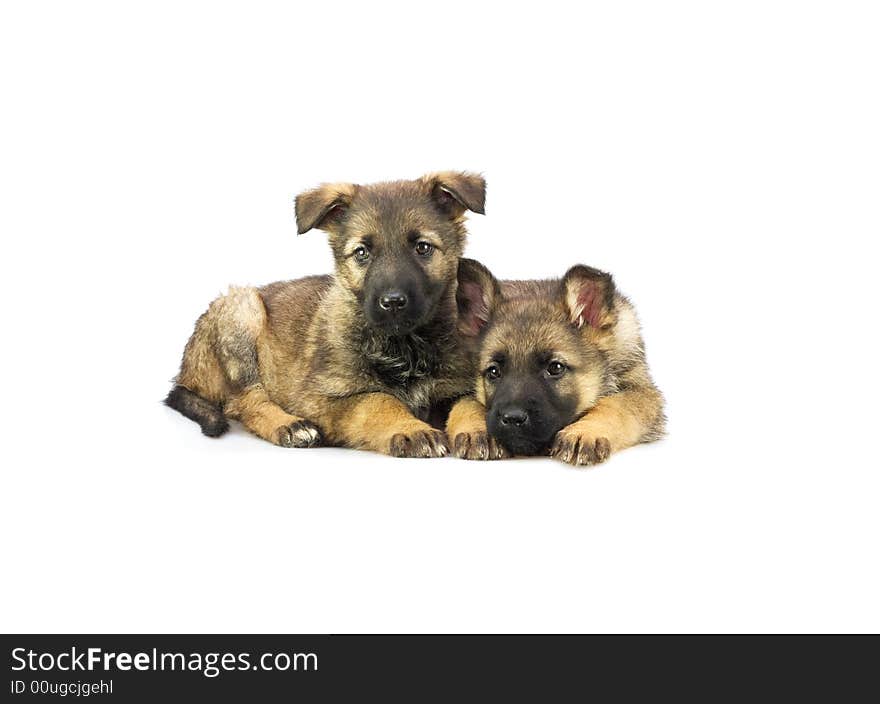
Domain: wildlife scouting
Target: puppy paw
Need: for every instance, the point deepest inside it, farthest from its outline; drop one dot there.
(300, 433)
(477, 446)
(579, 448)
(419, 443)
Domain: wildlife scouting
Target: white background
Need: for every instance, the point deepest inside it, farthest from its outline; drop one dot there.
(720, 158)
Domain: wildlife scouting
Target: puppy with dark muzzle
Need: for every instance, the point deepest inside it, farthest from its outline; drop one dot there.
(359, 358)
(563, 372)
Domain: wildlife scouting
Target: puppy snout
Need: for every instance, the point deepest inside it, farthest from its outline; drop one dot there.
(513, 416)
(393, 300)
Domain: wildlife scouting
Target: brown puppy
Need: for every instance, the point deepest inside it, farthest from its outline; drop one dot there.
(563, 371)
(356, 359)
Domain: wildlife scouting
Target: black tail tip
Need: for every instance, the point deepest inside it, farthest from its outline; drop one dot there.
(175, 398)
(214, 428)
(208, 415)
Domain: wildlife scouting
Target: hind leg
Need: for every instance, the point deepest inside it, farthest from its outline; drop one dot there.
(240, 320)
(266, 419)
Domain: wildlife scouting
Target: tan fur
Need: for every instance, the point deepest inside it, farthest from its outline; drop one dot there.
(381, 423)
(261, 415)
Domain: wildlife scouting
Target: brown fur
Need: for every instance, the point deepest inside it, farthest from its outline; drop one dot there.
(300, 363)
(609, 399)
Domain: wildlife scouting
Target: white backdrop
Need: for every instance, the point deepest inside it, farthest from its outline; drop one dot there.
(720, 159)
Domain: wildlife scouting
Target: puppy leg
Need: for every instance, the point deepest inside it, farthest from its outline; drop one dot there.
(382, 423)
(466, 428)
(616, 422)
(239, 321)
(266, 419)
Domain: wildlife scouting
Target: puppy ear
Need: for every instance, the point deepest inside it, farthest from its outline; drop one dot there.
(323, 207)
(588, 295)
(458, 191)
(477, 294)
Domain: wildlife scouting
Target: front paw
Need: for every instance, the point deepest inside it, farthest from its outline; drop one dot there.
(419, 443)
(478, 445)
(300, 433)
(580, 448)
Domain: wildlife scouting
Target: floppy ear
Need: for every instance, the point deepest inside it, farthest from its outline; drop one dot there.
(477, 294)
(458, 191)
(323, 207)
(588, 295)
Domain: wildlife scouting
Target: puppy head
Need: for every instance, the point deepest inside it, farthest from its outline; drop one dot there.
(541, 361)
(396, 245)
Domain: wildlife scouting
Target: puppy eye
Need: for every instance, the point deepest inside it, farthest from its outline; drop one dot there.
(556, 369)
(424, 249)
(493, 372)
(361, 254)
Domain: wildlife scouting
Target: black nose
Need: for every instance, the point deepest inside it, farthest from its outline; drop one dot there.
(514, 416)
(393, 300)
